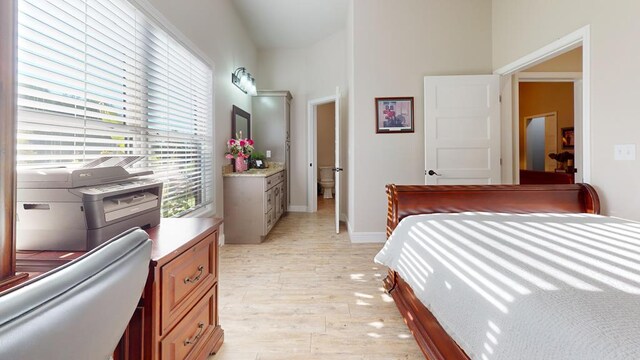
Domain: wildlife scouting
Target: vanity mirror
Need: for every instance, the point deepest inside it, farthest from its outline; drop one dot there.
(240, 121)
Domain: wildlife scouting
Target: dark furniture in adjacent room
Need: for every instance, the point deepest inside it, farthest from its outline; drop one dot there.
(530, 177)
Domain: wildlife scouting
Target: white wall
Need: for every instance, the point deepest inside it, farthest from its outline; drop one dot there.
(615, 54)
(396, 44)
(308, 73)
(215, 28)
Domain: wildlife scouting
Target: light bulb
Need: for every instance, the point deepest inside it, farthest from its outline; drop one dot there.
(244, 80)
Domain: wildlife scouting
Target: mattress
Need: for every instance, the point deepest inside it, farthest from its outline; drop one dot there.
(525, 286)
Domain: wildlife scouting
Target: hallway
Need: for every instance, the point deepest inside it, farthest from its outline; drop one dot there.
(307, 293)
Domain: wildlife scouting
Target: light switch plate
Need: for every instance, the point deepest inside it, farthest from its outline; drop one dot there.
(268, 153)
(624, 152)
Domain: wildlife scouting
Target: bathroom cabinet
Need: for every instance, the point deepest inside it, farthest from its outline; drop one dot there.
(254, 201)
(271, 119)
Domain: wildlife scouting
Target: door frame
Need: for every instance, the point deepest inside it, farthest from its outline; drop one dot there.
(312, 158)
(580, 37)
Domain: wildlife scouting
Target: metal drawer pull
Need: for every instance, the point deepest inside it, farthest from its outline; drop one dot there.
(196, 278)
(195, 339)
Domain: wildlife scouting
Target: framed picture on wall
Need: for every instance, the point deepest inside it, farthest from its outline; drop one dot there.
(568, 138)
(394, 115)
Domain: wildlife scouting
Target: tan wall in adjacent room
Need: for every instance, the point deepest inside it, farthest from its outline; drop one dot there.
(571, 61)
(537, 98)
(326, 135)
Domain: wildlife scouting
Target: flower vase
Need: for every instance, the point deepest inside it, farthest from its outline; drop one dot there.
(240, 164)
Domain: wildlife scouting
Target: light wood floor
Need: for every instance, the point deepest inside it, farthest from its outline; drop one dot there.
(307, 293)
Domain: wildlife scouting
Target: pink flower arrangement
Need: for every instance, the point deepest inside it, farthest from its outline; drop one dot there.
(239, 148)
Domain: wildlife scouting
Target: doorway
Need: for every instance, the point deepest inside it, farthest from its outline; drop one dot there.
(324, 176)
(554, 95)
(325, 140)
(531, 68)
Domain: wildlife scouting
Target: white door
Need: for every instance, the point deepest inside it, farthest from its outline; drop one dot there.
(337, 169)
(462, 129)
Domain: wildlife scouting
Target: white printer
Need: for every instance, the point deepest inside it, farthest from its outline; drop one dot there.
(78, 209)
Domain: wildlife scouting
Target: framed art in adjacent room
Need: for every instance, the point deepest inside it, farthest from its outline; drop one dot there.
(568, 138)
(394, 115)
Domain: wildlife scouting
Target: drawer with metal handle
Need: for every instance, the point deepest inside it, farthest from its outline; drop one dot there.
(272, 180)
(186, 340)
(186, 278)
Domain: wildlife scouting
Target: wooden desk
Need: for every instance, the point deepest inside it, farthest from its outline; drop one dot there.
(177, 317)
(38, 262)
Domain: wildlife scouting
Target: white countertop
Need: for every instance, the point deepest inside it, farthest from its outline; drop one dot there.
(272, 169)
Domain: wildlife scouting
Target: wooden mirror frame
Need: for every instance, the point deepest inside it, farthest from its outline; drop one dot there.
(235, 112)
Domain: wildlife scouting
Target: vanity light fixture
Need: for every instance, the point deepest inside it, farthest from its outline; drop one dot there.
(244, 81)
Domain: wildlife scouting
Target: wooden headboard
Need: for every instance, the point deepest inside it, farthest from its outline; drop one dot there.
(405, 200)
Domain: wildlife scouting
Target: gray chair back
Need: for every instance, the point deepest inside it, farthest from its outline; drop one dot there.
(79, 310)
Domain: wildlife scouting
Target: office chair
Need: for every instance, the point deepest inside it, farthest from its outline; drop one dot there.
(79, 310)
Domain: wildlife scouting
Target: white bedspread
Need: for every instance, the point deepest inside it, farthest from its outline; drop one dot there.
(536, 286)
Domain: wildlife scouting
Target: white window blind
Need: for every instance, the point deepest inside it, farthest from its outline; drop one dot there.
(96, 78)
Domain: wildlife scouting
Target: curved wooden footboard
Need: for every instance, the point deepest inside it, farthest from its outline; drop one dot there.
(405, 200)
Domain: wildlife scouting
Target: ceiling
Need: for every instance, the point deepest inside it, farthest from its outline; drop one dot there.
(274, 24)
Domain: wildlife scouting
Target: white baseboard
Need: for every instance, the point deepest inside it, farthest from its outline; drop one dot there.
(297, 208)
(343, 218)
(365, 237)
(221, 239)
(349, 228)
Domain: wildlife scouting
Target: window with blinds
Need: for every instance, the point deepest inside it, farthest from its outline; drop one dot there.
(98, 77)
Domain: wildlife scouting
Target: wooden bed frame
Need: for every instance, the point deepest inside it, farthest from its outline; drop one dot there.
(405, 200)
